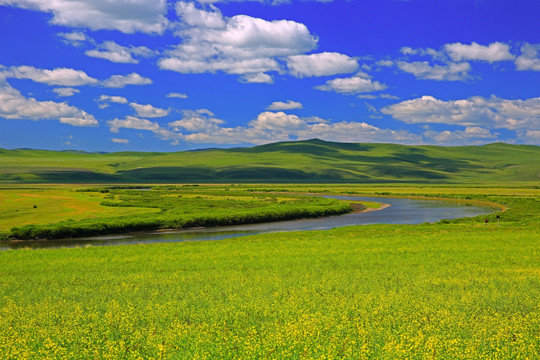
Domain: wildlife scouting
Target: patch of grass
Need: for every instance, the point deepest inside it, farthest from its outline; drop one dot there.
(43, 206)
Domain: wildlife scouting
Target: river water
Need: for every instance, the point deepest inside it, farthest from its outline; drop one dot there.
(400, 211)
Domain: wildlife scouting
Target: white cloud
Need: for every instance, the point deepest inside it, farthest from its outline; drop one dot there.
(476, 111)
(113, 99)
(470, 135)
(278, 126)
(271, 127)
(197, 121)
(384, 63)
(280, 105)
(201, 126)
(104, 100)
(407, 50)
(13, 105)
(278, 121)
(192, 16)
(177, 95)
(120, 81)
(257, 78)
(528, 60)
(359, 83)
(357, 132)
(367, 96)
(132, 122)
(149, 111)
(388, 96)
(59, 76)
(241, 45)
(423, 70)
(379, 96)
(111, 51)
(127, 16)
(496, 51)
(530, 136)
(120, 141)
(67, 91)
(75, 38)
(321, 64)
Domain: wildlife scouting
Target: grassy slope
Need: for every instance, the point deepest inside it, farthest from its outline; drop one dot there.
(312, 160)
(448, 291)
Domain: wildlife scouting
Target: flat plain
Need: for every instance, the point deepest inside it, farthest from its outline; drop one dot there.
(454, 289)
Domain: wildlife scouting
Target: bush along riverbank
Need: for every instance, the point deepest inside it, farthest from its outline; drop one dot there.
(184, 207)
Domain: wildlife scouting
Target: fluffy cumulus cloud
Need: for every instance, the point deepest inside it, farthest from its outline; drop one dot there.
(13, 105)
(360, 83)
(109, 50)
(278, 121)
(493, 112)
(202, 126)
(352, 131)
(104, 100)
(288, 105)
(271, 126)
(257, 78)
(120, 81)
(195, 17)
(528, 60)
(201, 120)
(241, 45)
(132, 122)
(74, 38)
(451, 62)
(149, 111)
(66, 91)
(424, 70)
(496, 51)
(120, 141)
(59, 76)
(472, 135)
(322, 64)
(127, 16)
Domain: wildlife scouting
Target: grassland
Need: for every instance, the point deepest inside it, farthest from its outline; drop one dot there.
(19, 207)
(45, 213)
(312, 161)
(457, 290)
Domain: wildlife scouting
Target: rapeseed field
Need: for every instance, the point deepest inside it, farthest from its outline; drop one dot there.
(458, 290)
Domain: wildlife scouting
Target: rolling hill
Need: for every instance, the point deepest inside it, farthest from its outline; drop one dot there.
(298, 161)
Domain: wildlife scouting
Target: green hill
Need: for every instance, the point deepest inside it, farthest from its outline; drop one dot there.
(302, 161)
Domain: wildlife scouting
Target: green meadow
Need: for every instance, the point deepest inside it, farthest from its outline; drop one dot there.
(311, 161)
(66, 212)
(459, 289)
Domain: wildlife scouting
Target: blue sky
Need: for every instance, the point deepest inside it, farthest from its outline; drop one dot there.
(158, 75)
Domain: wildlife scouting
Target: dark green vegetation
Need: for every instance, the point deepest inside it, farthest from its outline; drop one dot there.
(458, 290)
(175, 207)
(306, 161)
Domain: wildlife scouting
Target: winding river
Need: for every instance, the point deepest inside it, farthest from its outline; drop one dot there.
(400, 211)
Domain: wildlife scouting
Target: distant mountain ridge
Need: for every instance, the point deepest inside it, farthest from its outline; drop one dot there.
(312, 160)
